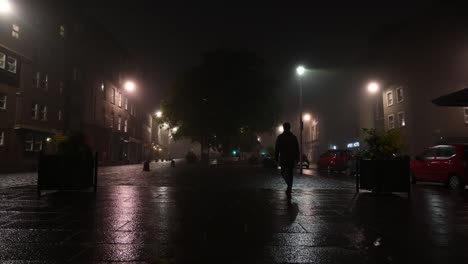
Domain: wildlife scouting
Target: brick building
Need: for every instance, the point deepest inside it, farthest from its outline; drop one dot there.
(62, 72)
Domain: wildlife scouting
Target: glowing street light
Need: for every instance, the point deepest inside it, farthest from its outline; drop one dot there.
(372, 87)
(5, 6)
(300, 70)
(281, 129)
(174, 129)
(159, 114)
(129, 86)
(307, 117)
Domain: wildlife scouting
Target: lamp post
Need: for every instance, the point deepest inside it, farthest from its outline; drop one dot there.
(373, 88)
(300, 70)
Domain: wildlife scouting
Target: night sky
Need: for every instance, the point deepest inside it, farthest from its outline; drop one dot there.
(167, 37)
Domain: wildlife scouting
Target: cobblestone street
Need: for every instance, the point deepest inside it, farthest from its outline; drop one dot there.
(230, 214)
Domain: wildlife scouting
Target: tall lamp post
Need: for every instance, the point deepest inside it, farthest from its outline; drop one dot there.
(300, 70)
(373, 88)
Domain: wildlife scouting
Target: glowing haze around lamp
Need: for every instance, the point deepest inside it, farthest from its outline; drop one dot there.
(129, 86)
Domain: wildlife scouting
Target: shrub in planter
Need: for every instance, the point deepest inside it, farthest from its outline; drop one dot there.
(73, 167)
(382, 166)
(191, 157)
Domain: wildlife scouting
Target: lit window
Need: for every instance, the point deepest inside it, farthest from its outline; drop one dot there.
(3, 101)
(125, 125)
(45, 82)
(35, 111)
(113, 96)
(62, 31)
(401, 119)
(119, 123)
(44, 113)
(11, 64)
(61, 85)
(389, 98)
(391, 121)
(37, 145)
(112, 120)
(126, 103)
(29, 143)
(59, 115)
(399, 94)
(2, 60)
(15, 32)
(465, 112)
(120, 100)
(37, 79)
(2, 138)
(102, 87)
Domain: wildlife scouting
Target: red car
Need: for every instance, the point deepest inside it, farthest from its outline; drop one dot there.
(442, 163)
(335, 160)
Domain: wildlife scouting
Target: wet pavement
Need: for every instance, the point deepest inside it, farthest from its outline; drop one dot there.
(230, 214)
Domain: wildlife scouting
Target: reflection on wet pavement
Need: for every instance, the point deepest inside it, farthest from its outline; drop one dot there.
(231, 215)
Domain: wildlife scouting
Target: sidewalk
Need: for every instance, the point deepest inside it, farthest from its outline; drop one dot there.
(18, 179)
(191, 214)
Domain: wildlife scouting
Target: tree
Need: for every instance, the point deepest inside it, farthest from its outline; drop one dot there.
(229, 95)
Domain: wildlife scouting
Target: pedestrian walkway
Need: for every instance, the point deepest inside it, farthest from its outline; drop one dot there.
(192, 214)
(18, 179)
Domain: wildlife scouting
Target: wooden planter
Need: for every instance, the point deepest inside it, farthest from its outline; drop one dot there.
(384, 176)
(57, 172)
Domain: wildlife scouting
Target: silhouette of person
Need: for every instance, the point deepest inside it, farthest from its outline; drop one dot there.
(287, 154)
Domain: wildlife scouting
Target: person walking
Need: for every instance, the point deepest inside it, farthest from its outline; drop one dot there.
(287, 154)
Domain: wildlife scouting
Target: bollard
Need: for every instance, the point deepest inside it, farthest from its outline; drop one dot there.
(146, 166)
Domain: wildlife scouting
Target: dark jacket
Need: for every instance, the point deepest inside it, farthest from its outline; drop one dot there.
(287, 147)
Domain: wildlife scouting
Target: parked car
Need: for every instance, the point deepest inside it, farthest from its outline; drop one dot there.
(442, 163)
(336, 160)
(305, 162)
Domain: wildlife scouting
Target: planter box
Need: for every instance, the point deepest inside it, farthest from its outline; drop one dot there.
(384, 175)
(57, 172)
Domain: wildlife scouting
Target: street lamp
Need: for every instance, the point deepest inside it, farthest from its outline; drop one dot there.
(5, 6)
(300, 70)
(307, 117)
(280, 129)
(373, 88)
(159, 114)
(129, 86)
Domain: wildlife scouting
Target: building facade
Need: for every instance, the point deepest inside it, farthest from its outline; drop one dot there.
(32, 86)
(433, 62)
(60, 73)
